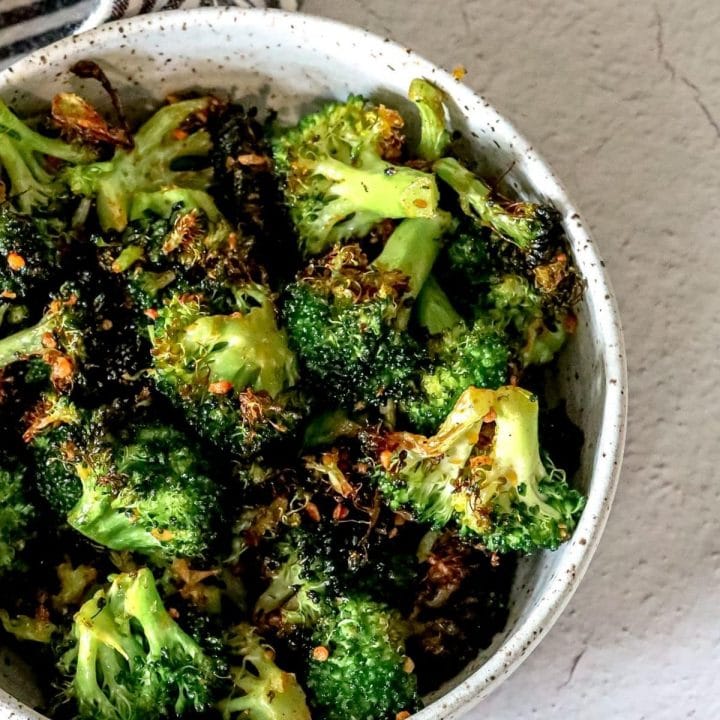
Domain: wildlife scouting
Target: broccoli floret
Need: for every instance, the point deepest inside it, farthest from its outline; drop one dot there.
(26, 628)
(34, 187)
(461, 356)
(141, 487)
(232, 375)
(538, 326)
(483, 472)
(346, 317)
(261, 690)
(163, 147)
(57, 339)
(526, 224)
(358, 668)
(130, 658)
(30, 253)
(434, 137)
(340, 180)
(176, 241)
(17, 514)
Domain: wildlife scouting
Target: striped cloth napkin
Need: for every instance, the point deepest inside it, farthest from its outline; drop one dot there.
(26, 25)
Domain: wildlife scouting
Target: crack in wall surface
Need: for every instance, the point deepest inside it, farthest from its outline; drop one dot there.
(675, 75)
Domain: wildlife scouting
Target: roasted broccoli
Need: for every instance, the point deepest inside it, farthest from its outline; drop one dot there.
(346, 317)
(140, 486)
(462, 355)
(25, 157)
(483, 472)
(340, 177)
(232, 375)
(526, 224)
(131, 660)
(164, 150)
(260, 689)
(58, 338)
(358, 668)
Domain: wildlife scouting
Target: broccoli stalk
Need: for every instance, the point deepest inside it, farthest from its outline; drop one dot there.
(346, 317)
(525, 224)
(434, 137)
(154, 162)
(461, 356)
(483, 472)
(22, 151)
(131, 659)
(261, 690)
(339, 176)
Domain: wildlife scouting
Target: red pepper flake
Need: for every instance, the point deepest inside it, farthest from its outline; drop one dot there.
(152, 313)
(459, 72)
(320, 653)
(419, 202)
(312, 512)
(221, 387)
(15, 261)
(180, 134)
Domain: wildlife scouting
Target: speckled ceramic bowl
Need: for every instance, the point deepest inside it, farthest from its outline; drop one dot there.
(288, 62)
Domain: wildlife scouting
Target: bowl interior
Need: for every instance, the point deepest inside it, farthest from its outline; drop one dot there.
(288, 62)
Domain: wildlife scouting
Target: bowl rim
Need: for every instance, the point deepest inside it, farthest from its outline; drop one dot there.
(578, 553)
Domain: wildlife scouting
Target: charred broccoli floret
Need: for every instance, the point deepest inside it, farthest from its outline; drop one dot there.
(17, 514)
(461, 356)
(526, 224)
(340, 180)
(24, 154)
(346, 317)
(260, 690)
(483, 472)
(358, 668)
(57, 339)
(132, 660)
(164, 147)
(141, 486)
(232, 375)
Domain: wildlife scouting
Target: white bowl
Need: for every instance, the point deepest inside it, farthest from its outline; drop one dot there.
(288, 61)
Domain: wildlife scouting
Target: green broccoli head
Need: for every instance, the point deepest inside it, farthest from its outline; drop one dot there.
(57, 339)
(24, 156)
(340, 180)
(260, 689)
(528, 225)
(482, 471)
(173, 139)
(461, 356)
(131, 660)
(358, 668)
(346, 317)
(538, 325)
(142, 487)
(17, 515)
(232, 375)
(434, 136)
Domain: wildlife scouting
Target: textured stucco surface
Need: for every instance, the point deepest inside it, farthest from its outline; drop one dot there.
(623, 100)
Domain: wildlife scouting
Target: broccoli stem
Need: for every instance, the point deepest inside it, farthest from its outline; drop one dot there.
(413, 248)
(476, 201)
(434, 137)
(387, 190)
(25, 343)
(30, 141)
(433, 309)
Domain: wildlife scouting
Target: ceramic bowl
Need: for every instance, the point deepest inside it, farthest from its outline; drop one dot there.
(288, 62)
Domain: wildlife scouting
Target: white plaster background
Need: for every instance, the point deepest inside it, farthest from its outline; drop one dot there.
(623, 99)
